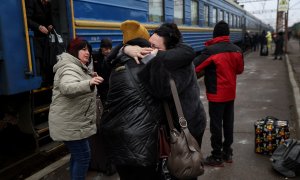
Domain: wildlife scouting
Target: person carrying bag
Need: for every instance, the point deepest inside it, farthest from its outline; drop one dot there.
(185, 160)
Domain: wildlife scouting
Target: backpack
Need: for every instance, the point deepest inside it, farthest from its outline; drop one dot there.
(286, 158)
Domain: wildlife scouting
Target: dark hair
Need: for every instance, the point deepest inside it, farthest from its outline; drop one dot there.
(76, 45)
(171, 34)
(106, 43)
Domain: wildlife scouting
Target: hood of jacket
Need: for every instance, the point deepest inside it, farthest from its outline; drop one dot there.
(66, 58)
(217, 40)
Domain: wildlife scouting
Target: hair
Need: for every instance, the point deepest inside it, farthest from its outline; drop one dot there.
(171, 34)
(76, 45)
(106, 43)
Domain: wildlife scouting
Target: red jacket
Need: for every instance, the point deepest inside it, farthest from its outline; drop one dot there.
(222, 61)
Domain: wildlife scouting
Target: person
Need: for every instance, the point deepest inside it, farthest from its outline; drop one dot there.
(173, 59)
(103, 68)
(222, 61)
(130, 126)
(279, 40)
(263, 44)
(39, 20)
(72, 114)
(269, 40)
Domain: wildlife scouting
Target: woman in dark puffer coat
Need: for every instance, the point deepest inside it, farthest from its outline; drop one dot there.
(130, 127)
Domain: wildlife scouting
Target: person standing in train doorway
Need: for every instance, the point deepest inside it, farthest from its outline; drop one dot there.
(39, 20)
(221, 61)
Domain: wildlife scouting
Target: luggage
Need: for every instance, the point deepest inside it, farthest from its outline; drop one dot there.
(286, 158)
(269, 133)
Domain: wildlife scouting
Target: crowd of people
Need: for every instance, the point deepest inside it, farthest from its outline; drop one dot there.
(132, 80)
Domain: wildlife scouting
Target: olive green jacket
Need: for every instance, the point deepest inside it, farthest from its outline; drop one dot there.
(72, 114)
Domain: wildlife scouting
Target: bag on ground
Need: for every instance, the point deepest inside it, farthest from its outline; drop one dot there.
(286, 158)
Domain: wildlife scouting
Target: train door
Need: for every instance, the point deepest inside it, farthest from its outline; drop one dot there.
(24, 103)
(41, 98)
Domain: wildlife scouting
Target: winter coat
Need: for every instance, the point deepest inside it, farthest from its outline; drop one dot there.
(130, 124)
(222, 61)
(177, 63)
(279, 41)
(72, 114)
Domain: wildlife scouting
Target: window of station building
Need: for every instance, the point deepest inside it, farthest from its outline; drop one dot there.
(195, 12)
(206, 15)
(178, 11)
(156, 10)
(214, 16)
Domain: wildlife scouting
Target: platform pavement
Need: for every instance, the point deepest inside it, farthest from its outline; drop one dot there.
(293, 65)
(263, 89)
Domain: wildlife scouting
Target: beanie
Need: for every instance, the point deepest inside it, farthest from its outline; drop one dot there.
(106, 43)
(221, 29)
(133, 29)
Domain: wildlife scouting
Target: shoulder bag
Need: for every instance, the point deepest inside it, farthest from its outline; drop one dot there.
(185, 160)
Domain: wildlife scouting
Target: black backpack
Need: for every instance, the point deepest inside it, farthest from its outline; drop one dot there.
(286, 158)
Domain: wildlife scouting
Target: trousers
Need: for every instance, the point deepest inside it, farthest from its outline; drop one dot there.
(80, 158)
(221, 121)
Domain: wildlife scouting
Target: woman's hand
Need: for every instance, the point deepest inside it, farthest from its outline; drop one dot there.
(96, 80)
(136, 52)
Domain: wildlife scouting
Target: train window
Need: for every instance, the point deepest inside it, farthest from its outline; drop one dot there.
(232, 20)
(178, 11)
(228, 18)
(214, 16)
(194, 12)
(206, 15)
(238, 22)
(221, 15)
(156, 10)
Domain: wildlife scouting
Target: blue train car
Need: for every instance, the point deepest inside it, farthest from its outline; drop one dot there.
(24, 100)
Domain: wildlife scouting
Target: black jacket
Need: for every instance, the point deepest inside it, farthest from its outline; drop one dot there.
(178, 64)
(38, 14)
(130, 127)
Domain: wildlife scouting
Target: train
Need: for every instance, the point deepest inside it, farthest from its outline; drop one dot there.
(25, 100)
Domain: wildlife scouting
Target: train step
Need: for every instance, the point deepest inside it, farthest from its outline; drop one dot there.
(51, 147)
(41, 128)
(41, 109)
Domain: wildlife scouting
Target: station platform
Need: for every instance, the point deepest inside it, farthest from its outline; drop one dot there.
(266, 88)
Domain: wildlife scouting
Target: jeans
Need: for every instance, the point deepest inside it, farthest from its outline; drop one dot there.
(221, 120)
(80, 158)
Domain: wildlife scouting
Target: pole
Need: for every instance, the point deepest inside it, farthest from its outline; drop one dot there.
(286, 30)
(277, 16)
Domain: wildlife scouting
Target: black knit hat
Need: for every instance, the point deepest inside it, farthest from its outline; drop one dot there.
(221, 29)
(106, 43)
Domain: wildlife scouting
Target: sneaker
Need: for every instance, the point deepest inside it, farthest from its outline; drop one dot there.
(212, 161)
(227, 158)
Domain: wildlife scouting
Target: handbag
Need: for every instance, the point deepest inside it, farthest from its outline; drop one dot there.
(185, 160)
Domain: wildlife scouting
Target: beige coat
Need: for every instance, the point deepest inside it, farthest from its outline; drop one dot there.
(72, 114)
